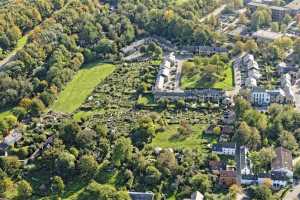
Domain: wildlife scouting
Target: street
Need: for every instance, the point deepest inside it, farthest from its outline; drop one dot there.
(296, 90)
(293, 194)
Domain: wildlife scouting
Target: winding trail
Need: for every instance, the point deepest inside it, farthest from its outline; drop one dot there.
(23, 41)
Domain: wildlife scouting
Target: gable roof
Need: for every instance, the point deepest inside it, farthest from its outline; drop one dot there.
(283, 159)
(11, 139)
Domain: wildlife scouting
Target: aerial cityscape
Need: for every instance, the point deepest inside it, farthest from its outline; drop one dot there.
(149, 99)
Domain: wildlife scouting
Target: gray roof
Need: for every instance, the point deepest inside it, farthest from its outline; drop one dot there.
(11, 139)
(283, 159)
(294, 5)
(141, 195)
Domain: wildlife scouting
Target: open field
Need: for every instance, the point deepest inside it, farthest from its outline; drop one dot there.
(196, 81)
(179, 2)
(168, 139)
(81, 86)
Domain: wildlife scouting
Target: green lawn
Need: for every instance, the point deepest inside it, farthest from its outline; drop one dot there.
(82, 86)
(22, 41)
(166, 139)
(196, 82)
(179, 2)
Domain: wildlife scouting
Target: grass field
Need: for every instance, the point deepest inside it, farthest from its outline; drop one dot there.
(166, 139)
(179, 2)
(81, 86)
(196, 82)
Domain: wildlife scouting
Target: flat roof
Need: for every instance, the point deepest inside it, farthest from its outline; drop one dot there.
(257, 4)
(294, 5)
(267, 34)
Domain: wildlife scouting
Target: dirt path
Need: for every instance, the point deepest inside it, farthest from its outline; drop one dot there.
(12, 54)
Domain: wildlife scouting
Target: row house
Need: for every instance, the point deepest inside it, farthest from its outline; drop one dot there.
(224, 149)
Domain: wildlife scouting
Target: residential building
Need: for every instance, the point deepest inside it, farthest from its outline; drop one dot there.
(216, 166)
(248, 179)
(266, 36)
(262, 97)
(224, 148)
(286, 85)
(228, 117)
(227, 178)
(227, 130)
(278, 13)
(244, 163)
(214, 95)
(254, 74)
(10, 140)
(141, 195)
(283, 68)
(277, 96)
(293, 7)
(196, 196)
(283, 162)
(280, 179)
(251, 82)
(263, 178)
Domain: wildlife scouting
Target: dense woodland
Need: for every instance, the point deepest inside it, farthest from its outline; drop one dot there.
(62, 36)
(105, 148)
(81, 32)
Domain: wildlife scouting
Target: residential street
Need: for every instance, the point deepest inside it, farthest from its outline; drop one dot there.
(296, 90)
(237, 76)
(294, 194)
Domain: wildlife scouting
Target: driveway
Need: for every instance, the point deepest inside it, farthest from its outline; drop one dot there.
(237, 76)
(293, 194)
(296, 90)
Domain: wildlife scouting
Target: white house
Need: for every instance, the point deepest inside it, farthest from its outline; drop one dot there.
(224, 149)
(260, 97)
(244, 163)
(251, 82)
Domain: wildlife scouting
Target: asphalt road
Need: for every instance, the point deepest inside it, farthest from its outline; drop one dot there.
(293, 194)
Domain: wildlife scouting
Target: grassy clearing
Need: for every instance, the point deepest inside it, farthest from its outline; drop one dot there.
(22, 41)
(81, 86)
(180, 2)
(167, 138)
(196, 81)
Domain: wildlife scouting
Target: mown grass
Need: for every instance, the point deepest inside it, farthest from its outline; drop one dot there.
(22, 41)
(81, 86)
(196, 81)
(168, 139)
(179, 2)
